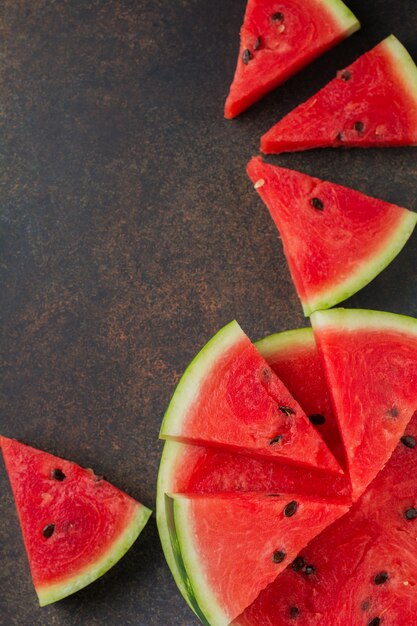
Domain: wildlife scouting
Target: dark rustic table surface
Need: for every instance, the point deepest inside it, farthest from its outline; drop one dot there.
(130, 234)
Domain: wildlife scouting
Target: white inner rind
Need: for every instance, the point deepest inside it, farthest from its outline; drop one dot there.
(354, 319)
(287, 340)
(403, 64)
(54, 592)
(344, 16)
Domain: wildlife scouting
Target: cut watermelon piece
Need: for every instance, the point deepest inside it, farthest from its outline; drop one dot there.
(363, 568)
(280, 37)
(197, 469)
(75, 525)
(336, 240)
(373, 102)
(370, 359)
(233, 545)
(294, 358)
(229, 397)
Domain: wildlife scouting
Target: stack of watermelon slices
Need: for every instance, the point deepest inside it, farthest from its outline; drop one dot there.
(235, 516)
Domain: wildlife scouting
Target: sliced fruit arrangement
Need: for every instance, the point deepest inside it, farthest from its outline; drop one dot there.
(197, 469)
(230, 397)
(336, 240)
(371, 103)
(362, 569)
(75, 524)
(370, 359)
(200, 526)
(233, 545)
(280, 37)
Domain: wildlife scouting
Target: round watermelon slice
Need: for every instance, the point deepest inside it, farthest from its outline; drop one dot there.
(233, 545)
(336, 240)
(280, 37)
(75, 525)
(370, 360)
(230, 398)
(363, 568)
(196, 469)
(371, 103)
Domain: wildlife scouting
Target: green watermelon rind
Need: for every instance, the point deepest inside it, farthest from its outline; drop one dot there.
(206, 600)
(343, 15)
(47, 594)
(368, 269)
(194, 376)
(170, 454)
(364, 319)
(403, 64)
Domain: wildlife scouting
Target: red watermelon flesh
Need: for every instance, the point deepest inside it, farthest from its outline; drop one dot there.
(336, 240)
(233, 545)
(364, 565)
(198, 469)
(373, 102)
(370, 360)
(230, 398)
(75, 525)
(294, 357)
(277, 39)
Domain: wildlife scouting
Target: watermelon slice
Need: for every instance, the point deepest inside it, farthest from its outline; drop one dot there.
(375, 542)
(294, 358)
(75, 525)
(373, 102)
(374, 405)
(278, 38)
(336, 240)
(197, 469)
(229, 397)
(233, 545)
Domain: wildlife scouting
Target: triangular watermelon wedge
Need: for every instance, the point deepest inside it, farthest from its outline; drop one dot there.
(363, 568)
(75, 524)
(230, 398)
(336, 240)
(370, 360)
(231, 546)
(371, 103)
(278, 38)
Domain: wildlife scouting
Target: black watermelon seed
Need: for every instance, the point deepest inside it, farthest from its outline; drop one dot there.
(275, 440)
(365, 605)
(317, 204)
(340, 137)
(408, 441)
(290, 509)
(278, 556)
(286, 409)
(278, 17)
(317, 419)
(48, 531)
(393, 412)
(294, 612)
(246, 56)
(58, 474)
(298, 564)
(345, 75)
(310, 569)
(410, 514)
(257, 43)
(358, 126)
(381, 578)
(375, 622)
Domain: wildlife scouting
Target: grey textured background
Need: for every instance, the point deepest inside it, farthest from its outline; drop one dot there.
(130, 234)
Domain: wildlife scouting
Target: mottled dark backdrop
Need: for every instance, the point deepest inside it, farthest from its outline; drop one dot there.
(130, 234)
